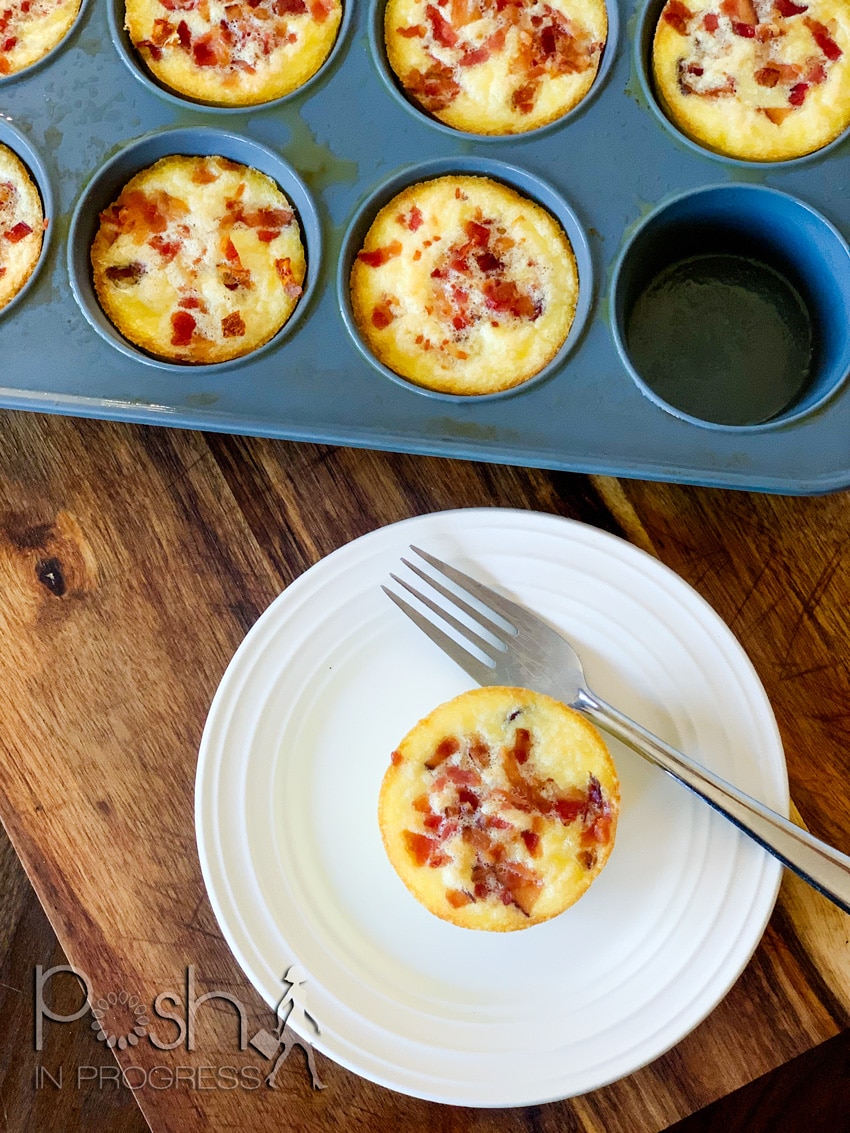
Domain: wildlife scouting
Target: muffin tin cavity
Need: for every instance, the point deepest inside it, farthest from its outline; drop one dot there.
(132, 59)
(376, 21)
(522, 182)
(110, 179)
(25, 151)
(729, 308)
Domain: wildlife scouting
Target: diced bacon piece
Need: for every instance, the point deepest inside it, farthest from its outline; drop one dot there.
(816, 73)
(464, 12)
(161, 31)
(677, 15)
(203, 175)
(767, 76)
(479, 234)
(463, 776)
(283, 267)
(746, 31)
(788, 8)
(522, 884)
(320, 9)
(444, 749)
(504, 295)
(432, 821)
(231, 253)
(797, 95)
(479, 752)
(475, 56)
(144, 45)
(435, 88)
(209, 50)
(268, 218)
(2, 272)
(587, 858)
(233, 325)
(178, 5)
(233, 276)
(382, 315)
(469, 801)
(415, 31)
(18, 232)
(396, 757)
(457, 898)
(776, 114)
(740, 11)
(496, 822)
(422, 803)
(168, 249)
(522, 745)
(419, 846)
(379, 256)
(411, 220)
(125, 273)
(495, 42)
(524, 97)
(5, 67)
(710, 22)
(532, 842)
(441, 29)
(184, 38)
(289, 7)
(192, 303)
(182, 328)
(823, 39)
(266, 235)
(569, 809)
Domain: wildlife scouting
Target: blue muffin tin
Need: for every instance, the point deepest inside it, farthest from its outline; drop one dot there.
(346, 136)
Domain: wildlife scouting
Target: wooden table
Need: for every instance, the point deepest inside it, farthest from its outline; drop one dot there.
(133, 561)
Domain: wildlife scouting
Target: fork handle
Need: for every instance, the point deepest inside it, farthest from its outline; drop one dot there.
(820, 865)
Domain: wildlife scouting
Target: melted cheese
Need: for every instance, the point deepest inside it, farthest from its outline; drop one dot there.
(202, 237)
(435, 315)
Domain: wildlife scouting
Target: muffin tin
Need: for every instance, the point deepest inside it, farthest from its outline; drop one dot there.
(348, 139)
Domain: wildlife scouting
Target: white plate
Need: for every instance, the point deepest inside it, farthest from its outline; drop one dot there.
(297, 741)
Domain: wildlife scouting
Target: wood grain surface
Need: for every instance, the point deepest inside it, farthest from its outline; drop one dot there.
(132, 562)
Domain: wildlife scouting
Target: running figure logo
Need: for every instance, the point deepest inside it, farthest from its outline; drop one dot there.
(292, 1016)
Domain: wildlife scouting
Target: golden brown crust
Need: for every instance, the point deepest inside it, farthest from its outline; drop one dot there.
(760, 80)
(499, 809)
(496, 66)
(233, 52)
(199, 259)
(464, 286)
(22, 225)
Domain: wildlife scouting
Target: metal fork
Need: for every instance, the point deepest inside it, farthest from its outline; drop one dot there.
(530, 654)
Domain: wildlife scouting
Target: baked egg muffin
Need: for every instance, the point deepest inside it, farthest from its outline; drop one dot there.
(499, 809)
(22, 225)
(31, 28)
(495, 66)
(233, 52)
(759, 80)
(199, 259)
(464, 286)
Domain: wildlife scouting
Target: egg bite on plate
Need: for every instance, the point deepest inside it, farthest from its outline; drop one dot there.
(199, 259)
(495, 66)
(499, 809)
(233, 52)
(464, 286)
(758, 80)
(22, 225)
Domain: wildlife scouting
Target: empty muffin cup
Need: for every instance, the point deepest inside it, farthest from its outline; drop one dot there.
(729, 307)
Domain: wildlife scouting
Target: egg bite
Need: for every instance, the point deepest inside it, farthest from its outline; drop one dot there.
(499, 809)
(22, 225)
(199, 259)
(233, 52)
(757, 80)
(464, 286)
(29, 29)
(495, 66)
